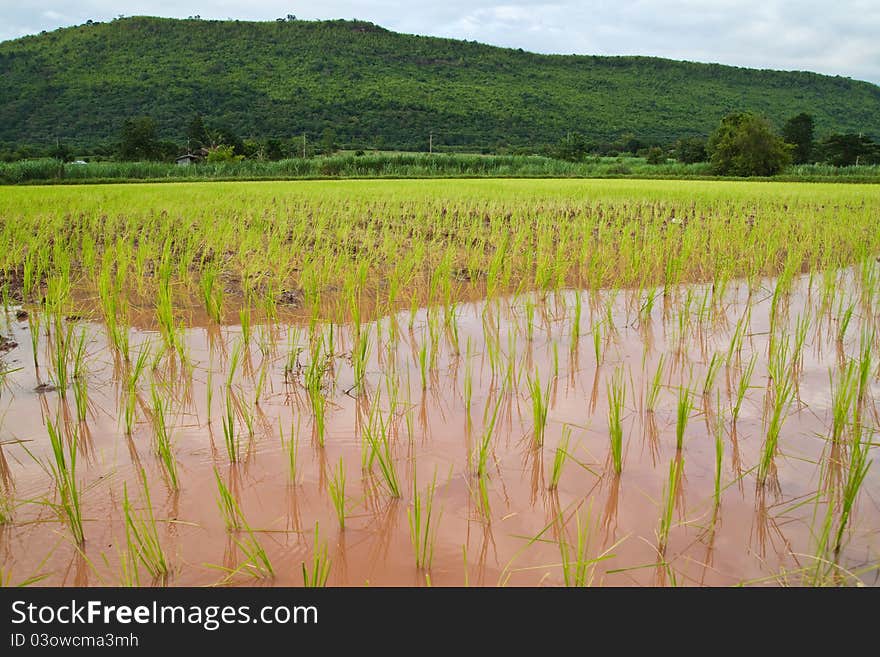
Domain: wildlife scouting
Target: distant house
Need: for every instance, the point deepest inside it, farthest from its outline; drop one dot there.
(187, 159)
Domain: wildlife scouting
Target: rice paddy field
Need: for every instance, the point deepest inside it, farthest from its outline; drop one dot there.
(440, 382)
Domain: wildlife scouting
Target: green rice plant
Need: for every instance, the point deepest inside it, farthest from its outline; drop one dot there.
(616, 402)
(162, 434)
(843, 398)
(576, 323)
(782, 395)
(377, 435)
(530, 319)
(540, 407)
(314, 376)
(227, 505)
(80, 381)
(337, 492)
(742, 387)
(230, 437)
(682, 415)
(654, 389)
(486, 441)
(597, 343)
(578, 570)
(719, 452)
(131, 384)
(468, 388)
(864, 375)
(843, 323)
(34, 330)
(63, 469)
(711, 374)
(164, 303)
(855, 477)
(670, 491)
(141, 535)
(244, 317)
(359, 355)
(802, 328)
(423, 524)
(261, 381)
(234, 360)
(212, 294)
(559, 457)
(60, 357)
(316, 575)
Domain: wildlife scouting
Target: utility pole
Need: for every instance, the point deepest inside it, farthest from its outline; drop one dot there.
(304, 145)
(431, 142)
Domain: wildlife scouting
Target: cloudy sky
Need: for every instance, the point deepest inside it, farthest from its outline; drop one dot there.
(839, 38)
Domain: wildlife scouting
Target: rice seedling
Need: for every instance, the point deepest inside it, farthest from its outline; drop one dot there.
(559, 457)
(719, 452)
(257, 563)
(670, 490)
(540, 404)
(655, 385)
(616, 401)
(742, 388)
(711, 374)
(682, 415)
(212, 294)
(855, 477)
(782, 395)
(337, 492)
(162, 436)
(377, 436)
(843, 397)
(359, 355)
(578, 569)
(141, 535)
(230, 436)
(316, 575)
(314, 377)
(423, 524)
(63, 469)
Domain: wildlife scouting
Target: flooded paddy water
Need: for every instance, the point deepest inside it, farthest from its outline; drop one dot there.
(471, 408)
(520, 382)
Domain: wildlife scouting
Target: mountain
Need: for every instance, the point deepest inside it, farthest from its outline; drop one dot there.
(381, 89)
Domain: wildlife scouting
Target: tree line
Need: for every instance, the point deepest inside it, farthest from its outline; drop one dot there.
(745, 144)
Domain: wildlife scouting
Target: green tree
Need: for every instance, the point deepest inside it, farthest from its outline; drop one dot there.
(60, 151)
(573, 147)
(223, 153)
(843, 150)
(655, 155)
(689, 150)
(328, 141)
(225, 135)
(196, 133)
(744, 145)
(139, 140)
(798, 131)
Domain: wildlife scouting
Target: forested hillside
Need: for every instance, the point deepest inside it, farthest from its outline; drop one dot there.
(375, 88)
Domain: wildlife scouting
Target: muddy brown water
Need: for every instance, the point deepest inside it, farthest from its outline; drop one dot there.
(757, 534)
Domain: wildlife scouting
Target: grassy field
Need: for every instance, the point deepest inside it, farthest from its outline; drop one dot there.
(417, 382)
(399, 165)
